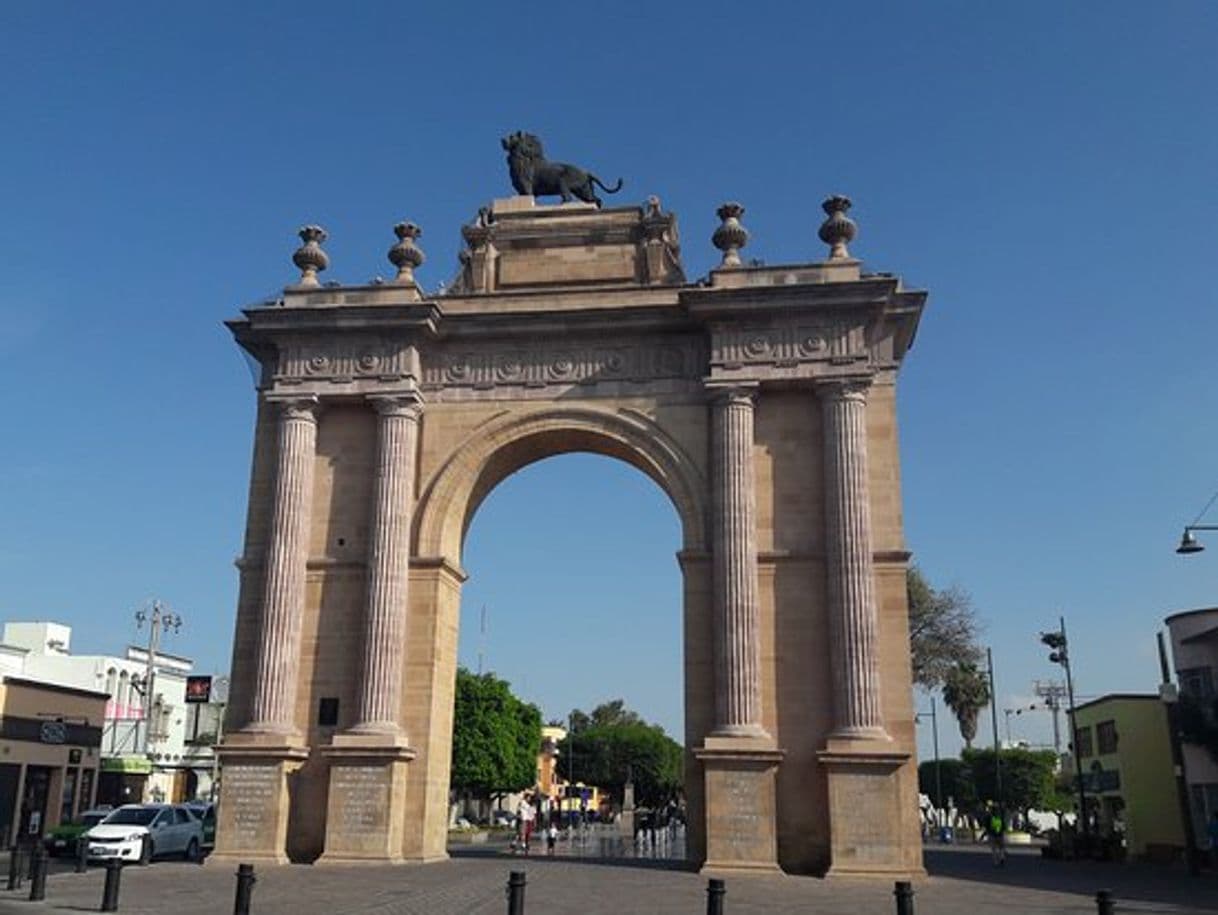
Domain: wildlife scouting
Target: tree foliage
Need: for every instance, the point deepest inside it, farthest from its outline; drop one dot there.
(611, 744)
(1029, 778)
(496, 737)
(966, 691)
(943, 630)
(957, 788)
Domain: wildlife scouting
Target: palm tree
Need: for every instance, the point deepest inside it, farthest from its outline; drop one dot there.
(966, 691)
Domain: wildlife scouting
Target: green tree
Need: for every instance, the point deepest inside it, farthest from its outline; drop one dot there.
(966, 691)
(496, 737)
(942, 630)
(613, 713)
(1028, 778)
(957, 788)
(612, 744)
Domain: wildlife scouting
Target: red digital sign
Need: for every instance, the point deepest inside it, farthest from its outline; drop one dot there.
(198, 689)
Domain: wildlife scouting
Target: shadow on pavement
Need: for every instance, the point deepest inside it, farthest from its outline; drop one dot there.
(1025, 868)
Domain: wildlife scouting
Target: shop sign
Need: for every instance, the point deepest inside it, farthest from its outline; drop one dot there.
(198, 689)
(128, 765)
(53, 732)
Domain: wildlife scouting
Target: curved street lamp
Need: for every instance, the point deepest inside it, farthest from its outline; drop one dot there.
(1190, 544)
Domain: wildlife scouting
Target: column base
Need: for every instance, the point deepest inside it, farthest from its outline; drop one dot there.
(366, 806)
(252, 822)
(741, 816)
(867, 834)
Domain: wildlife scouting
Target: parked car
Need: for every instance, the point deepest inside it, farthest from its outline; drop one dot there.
(206, 814)
(139, 833)
(63, 839)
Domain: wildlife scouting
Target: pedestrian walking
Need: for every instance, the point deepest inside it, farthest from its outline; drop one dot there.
(996, 829)
(527, 814)
(551, 839)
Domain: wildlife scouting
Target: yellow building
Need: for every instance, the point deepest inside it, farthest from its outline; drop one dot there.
(50, 739)
(1123, 744)
(562, 795)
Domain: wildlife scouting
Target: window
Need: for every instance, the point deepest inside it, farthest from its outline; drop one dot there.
(1197, 682)
(1082, 742)
(327, 712)
(1106, 737)
(181, 816)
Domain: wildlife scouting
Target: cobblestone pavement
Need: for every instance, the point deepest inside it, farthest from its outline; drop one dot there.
(962, 882)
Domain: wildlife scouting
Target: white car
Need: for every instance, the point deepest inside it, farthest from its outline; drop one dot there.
(140, 832)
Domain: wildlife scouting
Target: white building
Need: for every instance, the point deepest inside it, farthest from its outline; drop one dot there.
(1194, 647)
(152, 757)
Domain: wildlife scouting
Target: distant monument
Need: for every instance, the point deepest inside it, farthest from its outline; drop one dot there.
(760, 399)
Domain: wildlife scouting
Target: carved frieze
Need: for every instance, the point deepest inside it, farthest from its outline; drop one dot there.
(342, 360)
(483, 366)
(782, 349)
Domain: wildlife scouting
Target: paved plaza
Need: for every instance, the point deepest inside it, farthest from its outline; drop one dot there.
(962, 882)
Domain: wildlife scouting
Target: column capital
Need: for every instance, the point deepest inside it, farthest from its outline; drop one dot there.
(304, 407)
(727, 395)
(407, 403)
(851, 387)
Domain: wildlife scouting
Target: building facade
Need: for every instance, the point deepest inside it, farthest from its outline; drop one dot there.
(1194, 643)
(50, 751)
(762, 400)
(147, 751)
(1123, 743)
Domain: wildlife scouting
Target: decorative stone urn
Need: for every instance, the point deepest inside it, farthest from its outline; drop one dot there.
(405, 255)
(731, 236)
(839, 229)
(309, 257)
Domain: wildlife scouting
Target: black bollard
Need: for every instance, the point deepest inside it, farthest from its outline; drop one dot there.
(245, 889)
(904, 893)
(14, 867)
(1104, 903)
(515, 893)
(82, 854)
(715, 891)
(114, 872)
(38, 880)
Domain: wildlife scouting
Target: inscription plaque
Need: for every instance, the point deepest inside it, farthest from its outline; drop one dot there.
(362, 793)
(251, 796)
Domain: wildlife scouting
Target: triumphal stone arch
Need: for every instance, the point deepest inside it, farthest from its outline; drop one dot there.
(761, 399)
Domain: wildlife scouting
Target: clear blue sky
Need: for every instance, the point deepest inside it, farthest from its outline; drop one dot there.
(1046, 170)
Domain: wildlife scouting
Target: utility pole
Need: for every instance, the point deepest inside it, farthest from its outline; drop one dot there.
(1053, 693)
(157, 617)
(481, 637)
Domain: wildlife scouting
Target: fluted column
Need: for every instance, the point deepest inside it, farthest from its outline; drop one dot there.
(852, 607)
(388, 565)
(274, 701)
(737, 619)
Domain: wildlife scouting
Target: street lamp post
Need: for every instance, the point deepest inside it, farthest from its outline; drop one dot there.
(1002, 808)
(1061, 655)
(934, 731)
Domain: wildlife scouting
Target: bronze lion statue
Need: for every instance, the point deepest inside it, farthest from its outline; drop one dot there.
(533, 176)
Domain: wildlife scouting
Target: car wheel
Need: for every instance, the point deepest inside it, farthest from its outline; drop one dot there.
(146, 851)
(192, 850)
